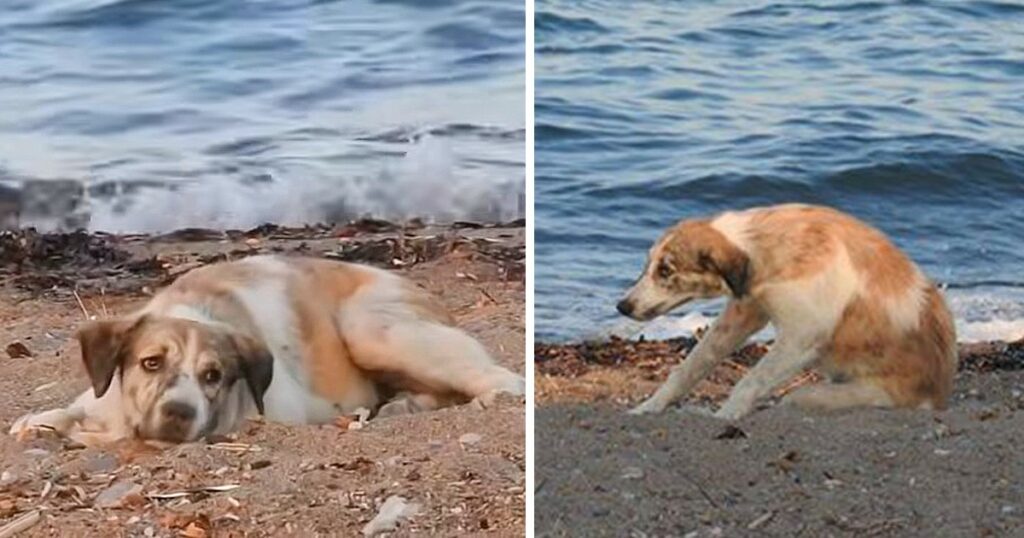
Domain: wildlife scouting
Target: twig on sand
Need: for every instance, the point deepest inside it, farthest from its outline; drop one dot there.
(22, 523)
(702, 491)
(81, 305)
(103, 302)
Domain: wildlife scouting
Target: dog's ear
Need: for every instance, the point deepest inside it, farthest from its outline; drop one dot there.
(737, 276)
(257, 366)
(103, 349)
(733, 265)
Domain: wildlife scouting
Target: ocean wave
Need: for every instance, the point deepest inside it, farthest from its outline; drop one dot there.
(422, 183)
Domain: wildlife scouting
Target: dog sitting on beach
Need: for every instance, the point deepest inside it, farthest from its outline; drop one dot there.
(840, 296)
(299, 340)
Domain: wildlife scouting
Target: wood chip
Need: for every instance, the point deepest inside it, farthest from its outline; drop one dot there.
(24, 522)
(190, 491)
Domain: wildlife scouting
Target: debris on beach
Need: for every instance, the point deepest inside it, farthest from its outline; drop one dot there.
(393, 510)
(18, 350)
(59, 262)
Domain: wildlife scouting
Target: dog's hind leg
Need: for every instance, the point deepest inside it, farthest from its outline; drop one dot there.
(826, 397)
(740, 320)
(430, 355)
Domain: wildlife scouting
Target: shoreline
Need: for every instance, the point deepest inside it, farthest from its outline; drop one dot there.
(623, 369)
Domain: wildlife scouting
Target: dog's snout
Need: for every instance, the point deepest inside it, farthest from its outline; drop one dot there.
(625, 307)
(180, 411)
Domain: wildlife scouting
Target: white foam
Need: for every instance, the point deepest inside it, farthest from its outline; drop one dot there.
(427, 182)
(986, 315)
(1008, 330)
(980, 316)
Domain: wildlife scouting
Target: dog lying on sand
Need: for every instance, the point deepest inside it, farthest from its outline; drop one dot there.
(840, 296)
(299, 340)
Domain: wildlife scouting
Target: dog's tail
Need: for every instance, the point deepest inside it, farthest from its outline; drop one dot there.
(403, 337)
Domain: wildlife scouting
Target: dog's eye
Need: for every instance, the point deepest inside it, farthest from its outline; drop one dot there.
(211, 376)
(664, 270)
(152, 364)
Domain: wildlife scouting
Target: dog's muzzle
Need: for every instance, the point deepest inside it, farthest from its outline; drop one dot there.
(626, 307)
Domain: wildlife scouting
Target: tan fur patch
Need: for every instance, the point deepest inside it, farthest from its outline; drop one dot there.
(332, 374)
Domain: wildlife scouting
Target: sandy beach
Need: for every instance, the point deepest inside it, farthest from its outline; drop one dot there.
(462, 466)
(777, 472)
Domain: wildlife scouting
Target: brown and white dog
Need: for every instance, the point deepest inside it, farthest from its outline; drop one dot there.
(839, 295)
(299, 340)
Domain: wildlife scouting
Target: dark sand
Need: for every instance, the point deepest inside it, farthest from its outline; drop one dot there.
(601, 472)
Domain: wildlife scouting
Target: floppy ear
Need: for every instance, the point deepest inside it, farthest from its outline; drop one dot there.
(257, 366)
(737, 275)
(103, 344)
(730, 263)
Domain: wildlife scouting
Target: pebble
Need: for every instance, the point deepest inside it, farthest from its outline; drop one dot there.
(632, 473)
(102, 463)
(394, 509)
(115, 495)
(470, 439)
(37, 452)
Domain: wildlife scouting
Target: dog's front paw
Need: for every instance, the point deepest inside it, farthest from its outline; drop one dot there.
(730, 413)
(697, 410)
(650, 405)
(60, 420)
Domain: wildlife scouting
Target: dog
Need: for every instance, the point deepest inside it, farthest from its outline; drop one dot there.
(840, 296)
(299, 340)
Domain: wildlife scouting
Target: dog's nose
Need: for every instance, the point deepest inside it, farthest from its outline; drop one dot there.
(625, 307)
(179, 411)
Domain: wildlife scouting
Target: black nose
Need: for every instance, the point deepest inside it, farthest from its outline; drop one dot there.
(625, 307)
(179, 411)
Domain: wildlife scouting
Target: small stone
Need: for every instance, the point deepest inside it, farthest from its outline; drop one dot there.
(37, 452)
(148, 532)
(470, 439)
(116, 495)
(1008, 509)
(102, 463)
(632, 473)
(7, 478)
(17, 350)
(394, 509)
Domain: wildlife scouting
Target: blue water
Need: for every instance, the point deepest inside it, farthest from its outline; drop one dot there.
(234, 112)
(909, 115)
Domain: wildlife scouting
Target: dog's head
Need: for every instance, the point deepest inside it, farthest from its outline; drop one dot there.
(691, 261)
(178, 378)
